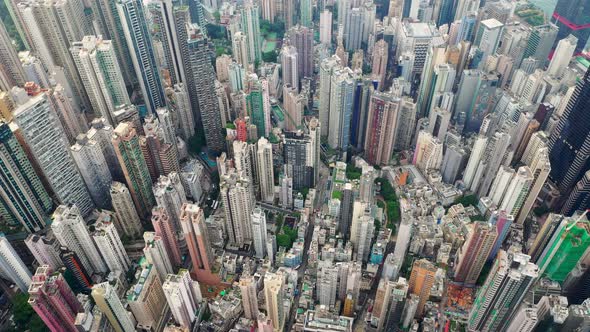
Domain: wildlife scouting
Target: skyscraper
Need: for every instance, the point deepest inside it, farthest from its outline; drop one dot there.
(70, 230)
(164, 228)
(273, 295)
(563, 55)
(134, 25)
(237, 200)
(11, 265)
(488, 36)
(106, 298)
(306, 10)
(289, 64)
(540, 42)
(247, 286)
(45, 250)
(570, 18)
(380, 55)
(156, 254)
(569, 144)
(125, 210)
(326, 27)
(195, 232)
(506, 285)
(23, 199)
(474, 253)
(126, 143)
(184, 297)
(94, 169)
(101, 75)
(170, 195)
(382, 122)
(259, 232)
(11, 70)
(53, 300)
(50, 151)
(146, 299)
(202, 78)
(264, 169)
(251, 29)
(421, 281)
(110, 246)
(341, 103)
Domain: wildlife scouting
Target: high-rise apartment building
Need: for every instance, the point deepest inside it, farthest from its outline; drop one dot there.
(264, 169)
(135, 28)
(127, 216)
(327, 68)
(251, 29)
(301, 37)
(249, 291)
(126, 142)
(23, 199)
(53, 300)
(290, 66)
(166, 231)
(11, 70)
(45, 250)
(382, 122)
(106, 298)
(12, 267)
(195, 231)
(341, 105)
(70, 230)
(326, 27)
(184, 297)
(238, 202)
(170, 196)
(273, 295)
(421, 281)
(51, 151)
(110, 246)
(146, 299)
(94, 169)
(259, 232)
(563, 55)
(475, 252)
(101, 75)
(156, 254)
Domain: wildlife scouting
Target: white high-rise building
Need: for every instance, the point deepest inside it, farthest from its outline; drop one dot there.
(326, 27)
(364, 231)
(264, 169)
(182, 113)
(238, 202)
(166, 16)
(184, 297)
(517, 191)
(251, 29)
(156, 254)
(93, 167)
(170, 196)
(110, 246)
(101, 75)
(12, 267)
(273, 295)
(249, 296)
(500, 184)
(240, 49)
(428, 153)
(488, 37)
(101, 132)
(51, 151)
(342, 87)
(45, 250)
(243, 159)
(327, 67)
(11, 72)
(125, 210)
(540, 168)
(289, 65)
(70, 230)
(562, 56)
(106, 298)
(146, 299)
(259, 232)
(477, 151)
(327, 283)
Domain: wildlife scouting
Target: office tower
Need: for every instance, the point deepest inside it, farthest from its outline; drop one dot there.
(301, 37)
(418, 38)
(268, 10)
(382, 123)
(106, 298)
(290, 66)
(249, 292)
(128, 150)
(540, 42)
(273, 295)
(428, 153)
(562, 56)
(540, 168)
(326, 27)
(50, 151)
(164, 228)
(346, 209)
(192, 220)
(170, 196)
(110, 246)
(565, 248)
(184, 297)
(341, 104)
(403, 139)
(570, 18)
(421, 281)
(437, 77)
(70, 230)
(45, 250)
(298, 151)
(251, 29)
(454, 161)
(134, 25)
(11, 70)
(475, 252)
(264, 169)
(125, 210)
(55, 26)
(89, 158)
(202, 76)
(379, 64)
(23, 199)
(504, 289)
(12, 267)
(237, 200)
(285, 191)
(171, 18)
(146, 299)
(73, 263)
(53, 300)
(579, 198)
(156, 253)
(306, 10)
(259, 232)
(101, 75)
(258, 105)
(488, 36)
(569, 144)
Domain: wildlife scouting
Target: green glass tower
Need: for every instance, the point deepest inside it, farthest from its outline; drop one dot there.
(255, 106)
(567, 245)
(23, 199)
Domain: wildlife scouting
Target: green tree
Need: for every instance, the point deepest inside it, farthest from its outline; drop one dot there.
(269, 56)
(197, 142)
(24, 317)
